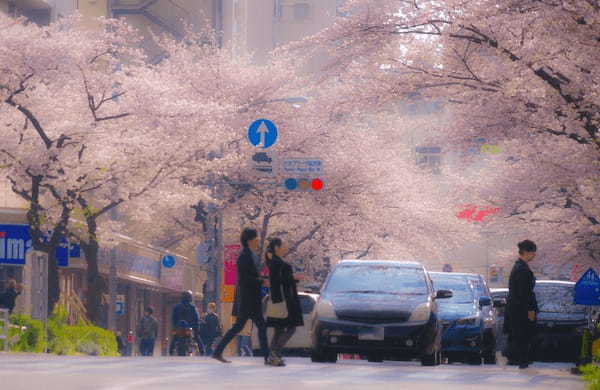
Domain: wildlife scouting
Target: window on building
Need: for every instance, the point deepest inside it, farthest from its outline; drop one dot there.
(301, 11)
(429, 157)
(339, 6)
(278, 9)
(9, 272)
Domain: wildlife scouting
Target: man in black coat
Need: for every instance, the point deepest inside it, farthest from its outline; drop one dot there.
(8, 299)
(185, 311)
(521, 307)
(248, 297)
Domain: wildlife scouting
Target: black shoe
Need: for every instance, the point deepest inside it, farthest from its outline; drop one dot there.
(523, 365)
(220, 358)
(512, 363)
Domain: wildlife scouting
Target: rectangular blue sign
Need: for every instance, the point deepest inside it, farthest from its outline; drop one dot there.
(14, 244)
(15, 241)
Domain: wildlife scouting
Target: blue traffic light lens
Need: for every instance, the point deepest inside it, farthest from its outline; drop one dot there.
(291, 184)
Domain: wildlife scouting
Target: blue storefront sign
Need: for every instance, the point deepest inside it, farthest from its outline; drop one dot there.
(15, 241)
(64, 251)
(14, 244)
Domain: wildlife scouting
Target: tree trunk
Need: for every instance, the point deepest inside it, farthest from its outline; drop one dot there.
(94, 283)
(53, 282)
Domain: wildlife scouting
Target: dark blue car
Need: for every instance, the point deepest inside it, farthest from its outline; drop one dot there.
(463, 320)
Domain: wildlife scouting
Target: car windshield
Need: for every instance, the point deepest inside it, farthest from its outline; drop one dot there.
(557, 299)
(370, 279)
(462, 292)
(477, 286)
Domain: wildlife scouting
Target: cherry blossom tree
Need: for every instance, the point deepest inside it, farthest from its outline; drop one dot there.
(506, 74)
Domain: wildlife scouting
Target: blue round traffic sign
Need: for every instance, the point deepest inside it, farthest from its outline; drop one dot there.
(168, 261)
(262, 133)
(291, 184)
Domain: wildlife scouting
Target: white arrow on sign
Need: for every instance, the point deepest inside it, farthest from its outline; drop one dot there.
(263, 130)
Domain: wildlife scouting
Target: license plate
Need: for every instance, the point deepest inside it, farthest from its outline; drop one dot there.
(376, 334)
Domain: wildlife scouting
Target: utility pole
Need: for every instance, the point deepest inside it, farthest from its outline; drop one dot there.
(112, 276)
(215, 218)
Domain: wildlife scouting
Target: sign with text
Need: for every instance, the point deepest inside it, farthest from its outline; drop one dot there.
(227, 293)
(230, 256)
(587, 289)
(302, 166)
(14, 243)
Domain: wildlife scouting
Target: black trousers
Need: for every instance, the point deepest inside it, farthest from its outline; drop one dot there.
(519, 343)
(280, 338)
(240, 322)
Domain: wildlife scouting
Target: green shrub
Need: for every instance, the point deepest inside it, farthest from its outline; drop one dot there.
(63, 339)
(591, 374)
(33, 339)
(67, 339)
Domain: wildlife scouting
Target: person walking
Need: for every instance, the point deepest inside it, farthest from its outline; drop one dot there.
(283, 289)
(185, 312)
(521, 307)
(212, 328)
(247, 302)
(147, 332)
(8, 299)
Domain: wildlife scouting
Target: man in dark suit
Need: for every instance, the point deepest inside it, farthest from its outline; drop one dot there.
(521, 307)
(248, 299)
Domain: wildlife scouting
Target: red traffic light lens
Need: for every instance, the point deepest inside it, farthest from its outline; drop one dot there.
(317, 184)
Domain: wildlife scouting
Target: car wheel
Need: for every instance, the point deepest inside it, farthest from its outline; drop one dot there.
(474, 360)
(318, 355)
(374, 358)
(433, 359)
(332, 357)
(489, 357)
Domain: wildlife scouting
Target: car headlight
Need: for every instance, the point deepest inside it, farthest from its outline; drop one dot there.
(325, 309)
(489, 321)
(468, 320)
(421, 313)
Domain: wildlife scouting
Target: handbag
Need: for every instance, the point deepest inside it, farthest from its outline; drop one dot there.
(277, 310)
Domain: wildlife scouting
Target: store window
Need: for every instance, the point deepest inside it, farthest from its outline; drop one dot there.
(8, 272)
(278, 10)
(301, 12)
(429, 157)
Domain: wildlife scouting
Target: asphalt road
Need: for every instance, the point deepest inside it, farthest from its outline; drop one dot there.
(48, 372)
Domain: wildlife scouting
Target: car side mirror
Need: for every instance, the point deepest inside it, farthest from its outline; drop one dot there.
(500, 302)
(443, 294)
(485, 301)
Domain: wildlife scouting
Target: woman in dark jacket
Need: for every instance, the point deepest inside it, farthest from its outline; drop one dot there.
(521, 306)
(283, 288)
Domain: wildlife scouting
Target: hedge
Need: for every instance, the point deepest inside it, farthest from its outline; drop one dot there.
(591, 374)
(63, 339)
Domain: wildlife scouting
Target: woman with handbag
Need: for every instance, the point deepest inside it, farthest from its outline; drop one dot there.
(284, 312)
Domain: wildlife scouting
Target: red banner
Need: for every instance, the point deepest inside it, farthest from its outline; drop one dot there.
(230, 256)
(477, 213)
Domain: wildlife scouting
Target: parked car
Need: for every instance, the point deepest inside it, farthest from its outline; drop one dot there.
(299, 344)
(560, 322)
(382, 309)
(489, 311)
(463, 320)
